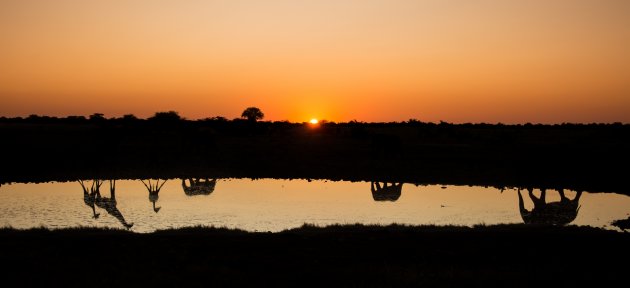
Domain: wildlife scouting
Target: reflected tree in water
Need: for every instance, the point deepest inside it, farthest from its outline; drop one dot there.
(154, 191)
(197, 186)
(89, 197)
(109, 204)
(387, 191)
(555, 213)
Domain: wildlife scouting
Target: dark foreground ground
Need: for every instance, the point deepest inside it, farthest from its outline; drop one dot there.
(356, 256)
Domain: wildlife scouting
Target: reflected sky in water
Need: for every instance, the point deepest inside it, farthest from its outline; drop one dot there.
(275, 205)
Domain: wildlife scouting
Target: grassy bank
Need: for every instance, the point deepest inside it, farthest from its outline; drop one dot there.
(354, 255)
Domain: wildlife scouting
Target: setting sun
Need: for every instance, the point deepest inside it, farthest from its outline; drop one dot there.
(217, 103)
(513, 61)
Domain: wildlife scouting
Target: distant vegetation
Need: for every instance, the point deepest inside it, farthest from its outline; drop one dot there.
(570, 156)
(170, 116)
(255, 114)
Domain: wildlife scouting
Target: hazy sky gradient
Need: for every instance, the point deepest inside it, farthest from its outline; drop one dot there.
(370, 60)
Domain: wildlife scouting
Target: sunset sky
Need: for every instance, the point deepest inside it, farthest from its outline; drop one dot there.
(371, 60)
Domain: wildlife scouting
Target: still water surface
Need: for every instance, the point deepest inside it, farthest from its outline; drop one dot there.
(275, 205)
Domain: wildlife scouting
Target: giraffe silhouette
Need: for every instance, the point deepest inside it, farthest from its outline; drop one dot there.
(89, 198)
(561, 212)
(109, 204)
(386, 192)
(198, 186)
(154, 192)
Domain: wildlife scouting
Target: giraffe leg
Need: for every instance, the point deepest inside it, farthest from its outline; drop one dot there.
(563, 198)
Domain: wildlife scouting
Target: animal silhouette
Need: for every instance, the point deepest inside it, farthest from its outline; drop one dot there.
(386, 192)
(623, 224)
(154, 192)
(198, 186)
(555, 213)
(109, 204)
(89, 198)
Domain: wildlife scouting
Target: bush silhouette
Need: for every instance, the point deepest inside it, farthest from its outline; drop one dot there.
(170, 116)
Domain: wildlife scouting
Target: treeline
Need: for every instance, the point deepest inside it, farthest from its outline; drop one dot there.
(174, 117)
(570, 156)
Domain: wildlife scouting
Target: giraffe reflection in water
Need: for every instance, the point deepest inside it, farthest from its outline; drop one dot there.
(387, 191)
(154, 192)
(89, 197)
(94, 198)
(198, 186)
(554, 213)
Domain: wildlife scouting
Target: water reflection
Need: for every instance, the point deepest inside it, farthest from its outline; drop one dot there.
(110, 204)
(274, 205)
(554, 213)
(89, 198)
(154, 192)
(387, 191)
(560, 212)
(198, 186)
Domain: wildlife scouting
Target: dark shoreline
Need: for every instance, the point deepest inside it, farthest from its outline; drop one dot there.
(351, 255)
(570, 156)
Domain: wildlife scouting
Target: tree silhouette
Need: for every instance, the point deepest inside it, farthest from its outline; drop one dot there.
(97, 117)
(170, 116)
(253, 114)
(129, 117)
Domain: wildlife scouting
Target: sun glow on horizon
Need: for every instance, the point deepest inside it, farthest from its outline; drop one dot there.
(314, 121)
(373, 60)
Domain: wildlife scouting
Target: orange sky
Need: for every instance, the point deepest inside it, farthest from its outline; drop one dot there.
(370, 60)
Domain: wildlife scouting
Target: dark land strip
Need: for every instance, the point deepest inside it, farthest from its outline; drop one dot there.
(354, 255)
(591, 158)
